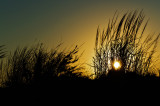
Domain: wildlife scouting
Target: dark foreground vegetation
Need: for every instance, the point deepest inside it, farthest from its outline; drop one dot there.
(37, 67)
(126, 41)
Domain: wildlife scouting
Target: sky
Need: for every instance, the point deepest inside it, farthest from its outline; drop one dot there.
(26, 22)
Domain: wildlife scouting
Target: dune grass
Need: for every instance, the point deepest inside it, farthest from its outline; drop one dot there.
(2, 52)
(37, 67)
(125, 41)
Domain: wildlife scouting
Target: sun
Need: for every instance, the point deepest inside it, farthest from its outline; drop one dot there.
(117, 65)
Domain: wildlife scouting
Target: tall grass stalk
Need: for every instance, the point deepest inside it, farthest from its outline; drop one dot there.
(37, 67)
(125, 41)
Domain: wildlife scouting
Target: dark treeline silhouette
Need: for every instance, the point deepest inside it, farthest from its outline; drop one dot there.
(36, 67)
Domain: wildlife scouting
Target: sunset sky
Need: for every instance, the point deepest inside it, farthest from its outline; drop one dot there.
(26, 22)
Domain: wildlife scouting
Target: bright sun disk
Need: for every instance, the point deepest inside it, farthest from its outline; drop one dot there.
(116, 65)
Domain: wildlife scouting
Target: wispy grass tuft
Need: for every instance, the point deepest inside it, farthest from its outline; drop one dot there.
(37, 67)
(125, 41)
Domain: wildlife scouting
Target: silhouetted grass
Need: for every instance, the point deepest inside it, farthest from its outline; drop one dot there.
(125, 41)
(2, 52)
(2, 55)
(37, 67)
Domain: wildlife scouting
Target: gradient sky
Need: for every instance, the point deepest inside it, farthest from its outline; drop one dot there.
(24, 22)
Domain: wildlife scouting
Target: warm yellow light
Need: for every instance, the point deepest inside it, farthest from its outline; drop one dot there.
(117, 65)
